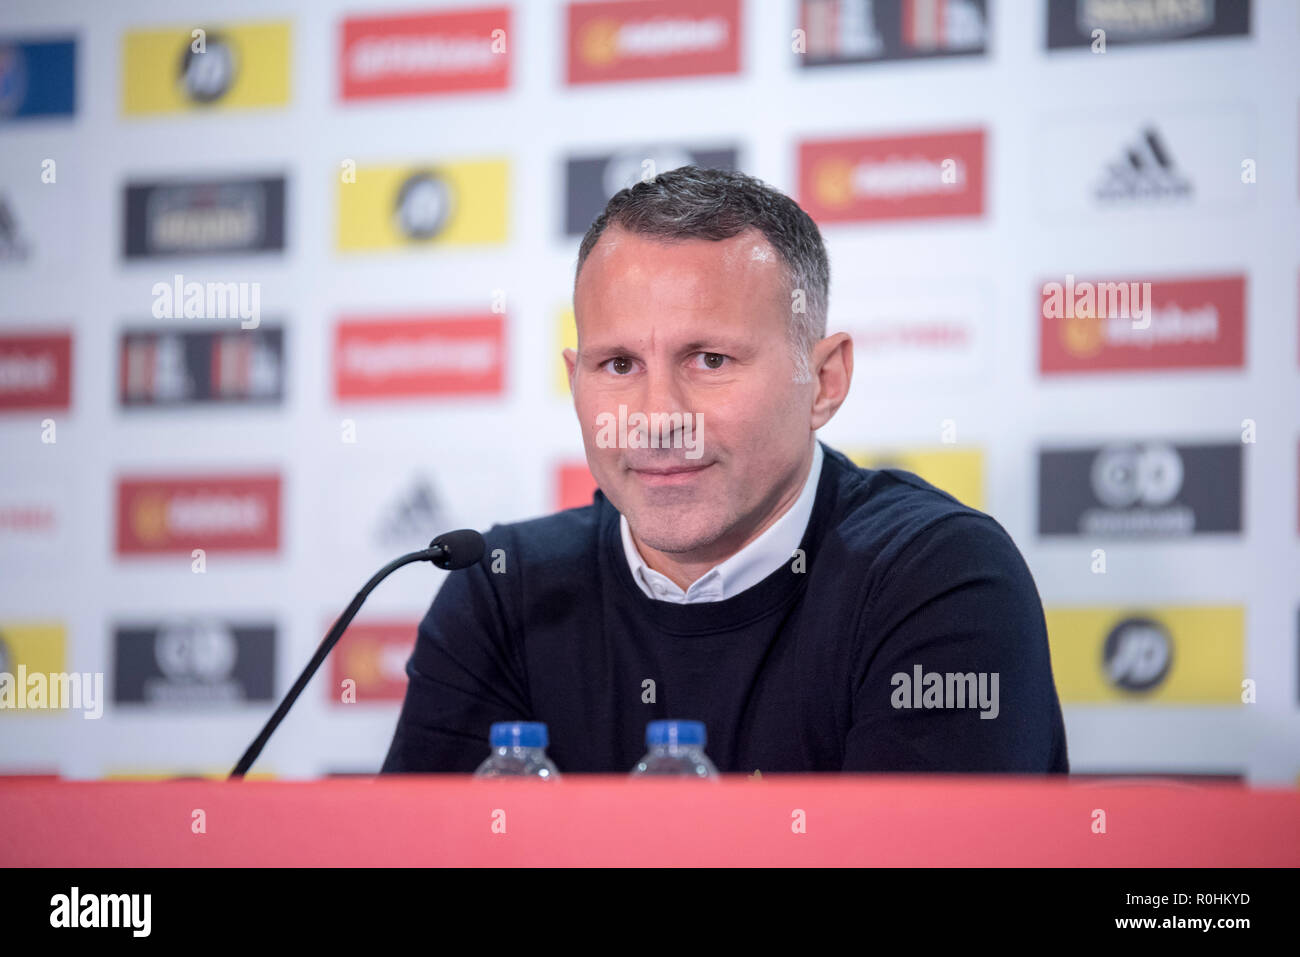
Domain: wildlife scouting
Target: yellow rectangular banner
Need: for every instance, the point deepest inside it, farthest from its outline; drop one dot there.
(173, 70)
(567, 336)
(1183, 655)
(388, 207)
(40, 646)
(30, 651)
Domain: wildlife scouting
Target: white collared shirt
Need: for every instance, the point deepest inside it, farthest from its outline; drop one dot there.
(743, 570)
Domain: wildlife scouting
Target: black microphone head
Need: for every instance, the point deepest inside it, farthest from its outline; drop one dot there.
(460, 548)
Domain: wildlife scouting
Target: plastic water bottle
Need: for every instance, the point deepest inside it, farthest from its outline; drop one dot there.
(676, 748)
(518, 750)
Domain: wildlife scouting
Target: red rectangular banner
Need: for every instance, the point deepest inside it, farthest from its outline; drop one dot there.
(928, 176)
(35, 371)
(1132, 324)
(429, 53)
(408, 358)
(229, 513)
(652, 39)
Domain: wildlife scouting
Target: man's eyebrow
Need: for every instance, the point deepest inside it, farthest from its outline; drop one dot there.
(718, 342)
(606, 351)
(695, 345)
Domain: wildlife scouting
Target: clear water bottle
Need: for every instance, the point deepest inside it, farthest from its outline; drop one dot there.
(519, 751)
(676, 748)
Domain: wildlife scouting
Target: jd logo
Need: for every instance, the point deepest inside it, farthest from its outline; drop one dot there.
(206, 76)
(1137, 654)
(423, 206)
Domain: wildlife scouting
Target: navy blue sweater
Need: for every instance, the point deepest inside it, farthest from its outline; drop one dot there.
(870, 654)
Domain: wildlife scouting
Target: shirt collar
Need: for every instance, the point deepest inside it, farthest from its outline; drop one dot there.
(741, 571)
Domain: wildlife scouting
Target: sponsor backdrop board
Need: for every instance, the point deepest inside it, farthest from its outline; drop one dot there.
(283, 292)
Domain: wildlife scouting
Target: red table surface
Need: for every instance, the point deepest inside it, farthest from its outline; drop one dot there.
(850, 820)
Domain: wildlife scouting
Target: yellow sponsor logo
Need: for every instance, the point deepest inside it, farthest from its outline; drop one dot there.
(1083, 336)
(210, 68)
(833, 182)
(599, 42)
(386, 207)
(566, 335)
(959, 472)
(1181, 655)
(149, 518)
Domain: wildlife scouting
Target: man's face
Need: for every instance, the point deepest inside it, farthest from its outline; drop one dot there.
(697, 327)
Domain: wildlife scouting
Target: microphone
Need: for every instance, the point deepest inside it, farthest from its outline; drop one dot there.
(452, 551)
(456, 550)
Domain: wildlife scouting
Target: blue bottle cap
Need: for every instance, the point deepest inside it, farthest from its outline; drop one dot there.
(518, 734)
(675, 733)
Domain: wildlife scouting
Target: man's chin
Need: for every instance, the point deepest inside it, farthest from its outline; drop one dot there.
(674, 535)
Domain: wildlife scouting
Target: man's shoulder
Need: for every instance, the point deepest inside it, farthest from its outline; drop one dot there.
(885, 510)
(566, 536)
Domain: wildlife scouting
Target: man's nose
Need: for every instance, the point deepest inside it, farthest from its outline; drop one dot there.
(663, 389)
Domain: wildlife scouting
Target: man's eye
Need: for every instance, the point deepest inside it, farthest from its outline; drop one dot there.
(713, 360)
(620, 365)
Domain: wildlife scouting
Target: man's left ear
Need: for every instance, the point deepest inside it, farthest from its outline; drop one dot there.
(832, 368)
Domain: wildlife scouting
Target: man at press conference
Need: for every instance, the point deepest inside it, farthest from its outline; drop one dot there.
(732, 569)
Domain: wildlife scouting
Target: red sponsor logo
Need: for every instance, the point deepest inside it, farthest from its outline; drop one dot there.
(373, 654)
(455, 52)
(895, 177)
(225, 513)
(1166, 324)
(652, 39)
(574, 485)
(35, 371)
(398, 358)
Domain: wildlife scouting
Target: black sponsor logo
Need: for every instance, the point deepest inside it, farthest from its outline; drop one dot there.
(181, 368)
(408, 519)
(423, 206)
(193, 663)
(1151, 489)
(590, 181)
(204, 217)
(872, 31)
(206, 76)
(1070, 23)
(1137, 654)
(1145, 171)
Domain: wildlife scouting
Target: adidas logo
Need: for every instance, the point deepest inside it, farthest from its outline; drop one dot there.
(13, 246)
(1146, 171)
(414, 518)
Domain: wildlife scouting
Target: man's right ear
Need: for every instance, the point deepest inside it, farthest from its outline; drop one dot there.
(570, 363)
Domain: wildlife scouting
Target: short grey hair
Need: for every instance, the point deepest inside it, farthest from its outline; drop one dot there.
(691, 202)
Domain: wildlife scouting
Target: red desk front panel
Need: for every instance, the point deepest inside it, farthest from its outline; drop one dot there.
(599, 820)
